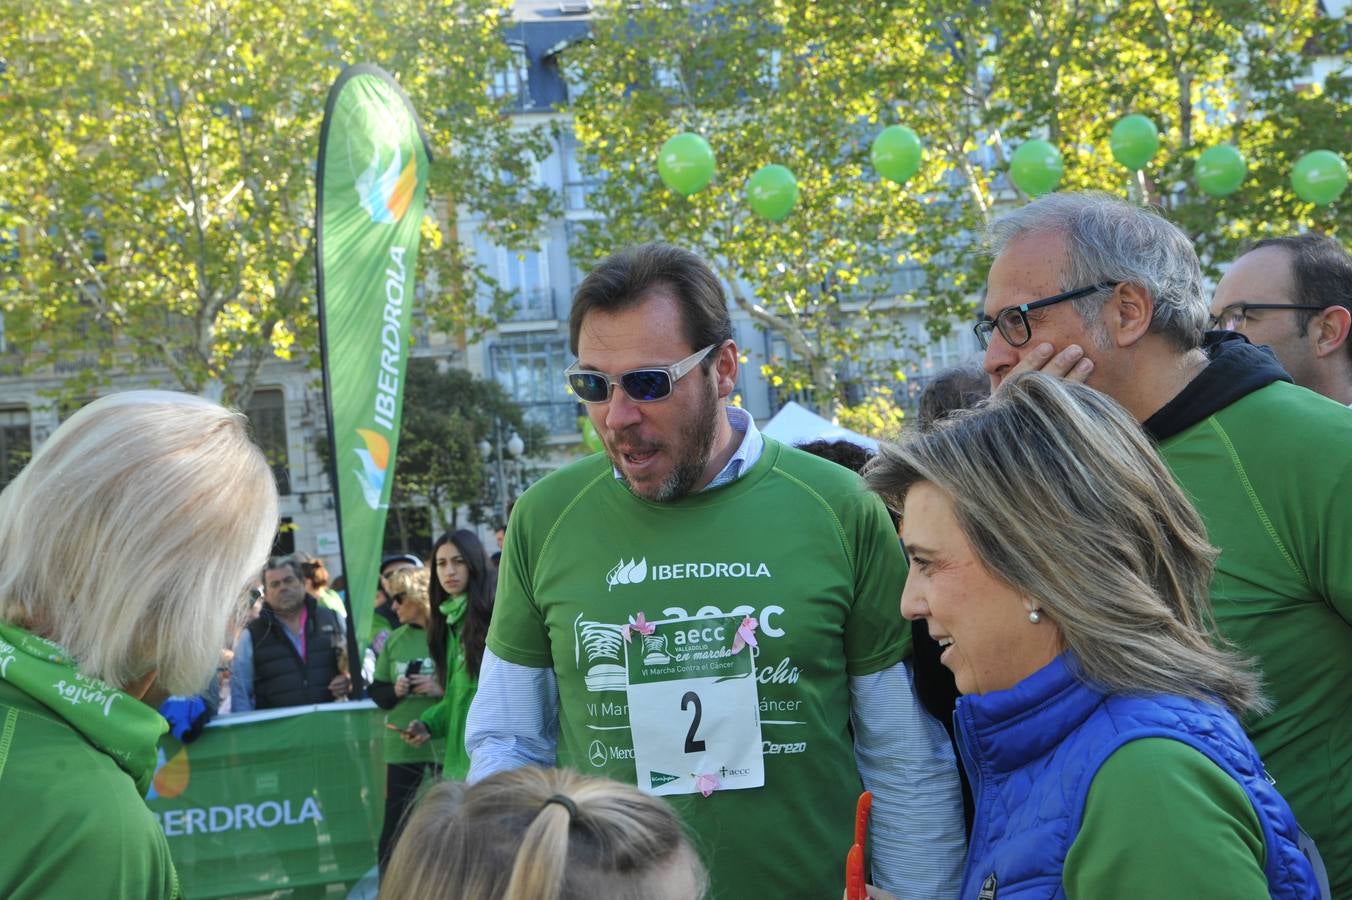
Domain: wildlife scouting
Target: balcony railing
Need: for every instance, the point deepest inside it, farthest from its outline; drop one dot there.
(534, 305)
(556, 418)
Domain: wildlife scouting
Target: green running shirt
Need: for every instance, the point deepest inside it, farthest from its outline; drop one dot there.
(798, 544)
(406, 644)
(1271, 476)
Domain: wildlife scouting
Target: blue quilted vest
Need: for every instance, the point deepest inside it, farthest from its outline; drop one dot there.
(1033, 750)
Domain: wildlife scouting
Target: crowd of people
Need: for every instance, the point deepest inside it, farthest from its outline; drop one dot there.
(1085, 630)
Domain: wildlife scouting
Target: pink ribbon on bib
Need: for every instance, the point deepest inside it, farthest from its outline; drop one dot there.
(641, 625)
(745, 635)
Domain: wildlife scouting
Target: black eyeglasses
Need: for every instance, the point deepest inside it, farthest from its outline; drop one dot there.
(1013, 320)
(1233, 317)
(645, 385)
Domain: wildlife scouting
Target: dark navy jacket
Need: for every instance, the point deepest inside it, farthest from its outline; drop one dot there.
(281, 677)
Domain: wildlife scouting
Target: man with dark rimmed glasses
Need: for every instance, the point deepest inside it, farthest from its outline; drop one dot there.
(706, 613)
(1294, 294)
(1088, 287)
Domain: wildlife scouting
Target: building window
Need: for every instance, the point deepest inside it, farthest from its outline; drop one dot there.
(667, 78)
(267, 419)
(9, 245)
(16, 442)
(577, 185)
(510, 83)
(530, 367)
(525, 274)
(952, 349)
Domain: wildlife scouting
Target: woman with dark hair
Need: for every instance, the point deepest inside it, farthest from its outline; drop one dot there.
(462, 589)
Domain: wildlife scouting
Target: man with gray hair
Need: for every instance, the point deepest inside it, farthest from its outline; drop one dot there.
(1294, 294)
(1088, 287)
(294, 653)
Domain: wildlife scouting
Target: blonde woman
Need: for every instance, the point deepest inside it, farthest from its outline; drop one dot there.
(125, 547)
(543, 834)
(1065, 576)
(406, 684)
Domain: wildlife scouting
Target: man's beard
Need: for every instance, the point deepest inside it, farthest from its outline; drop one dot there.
(287, 607)
(697, 440)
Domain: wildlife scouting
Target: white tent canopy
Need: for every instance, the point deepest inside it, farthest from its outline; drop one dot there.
(796, 424)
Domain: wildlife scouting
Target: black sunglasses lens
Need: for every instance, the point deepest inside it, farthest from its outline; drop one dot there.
(589, 386)
(646, 384)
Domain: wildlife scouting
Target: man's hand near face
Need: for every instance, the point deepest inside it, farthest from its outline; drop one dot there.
(1070, 364)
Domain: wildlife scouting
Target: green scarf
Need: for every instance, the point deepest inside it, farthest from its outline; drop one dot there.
(454, 608)
(448, 716)
(113, 721)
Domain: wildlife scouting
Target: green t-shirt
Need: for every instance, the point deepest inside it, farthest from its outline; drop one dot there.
(331, 598)
(406, 644)
(1271, 475)
(798, 544)
(1163, 821)
(76, 825)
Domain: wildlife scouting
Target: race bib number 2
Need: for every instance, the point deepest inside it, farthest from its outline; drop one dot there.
(694, 711)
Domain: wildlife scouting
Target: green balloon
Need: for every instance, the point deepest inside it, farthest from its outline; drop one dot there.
(1319, 176)
(1035, 168)
(686, 163)
(772, 192)
(897, 153)
(1134, 141)
(1220, 170)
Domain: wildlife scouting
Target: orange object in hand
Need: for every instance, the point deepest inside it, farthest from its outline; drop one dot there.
(854, 874)
(854, 862)
(861, 812)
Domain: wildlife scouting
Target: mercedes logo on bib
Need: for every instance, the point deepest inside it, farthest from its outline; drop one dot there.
(597, 754)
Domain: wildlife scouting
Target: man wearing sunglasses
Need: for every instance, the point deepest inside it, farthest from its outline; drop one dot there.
(693, 541)
(1294, 294)
(1088, 287)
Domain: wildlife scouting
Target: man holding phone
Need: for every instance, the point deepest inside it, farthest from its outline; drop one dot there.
(290, 654)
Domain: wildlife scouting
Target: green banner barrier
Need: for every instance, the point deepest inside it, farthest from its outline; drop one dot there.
(372, 184)
(279, 801)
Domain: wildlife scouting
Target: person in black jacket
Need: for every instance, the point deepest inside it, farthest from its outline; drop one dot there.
(294, 653)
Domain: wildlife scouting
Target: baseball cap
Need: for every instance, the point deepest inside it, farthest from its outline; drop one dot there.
(401, 557)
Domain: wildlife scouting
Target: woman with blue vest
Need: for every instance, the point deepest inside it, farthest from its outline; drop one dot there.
(1065, 576)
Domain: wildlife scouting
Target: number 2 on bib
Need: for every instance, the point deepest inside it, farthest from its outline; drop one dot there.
(694, 711)
(691, 744)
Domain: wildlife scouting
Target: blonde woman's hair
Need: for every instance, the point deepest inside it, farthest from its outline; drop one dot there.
(1062, 496)
(543, 834)
(130, 535)
(412, 585)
